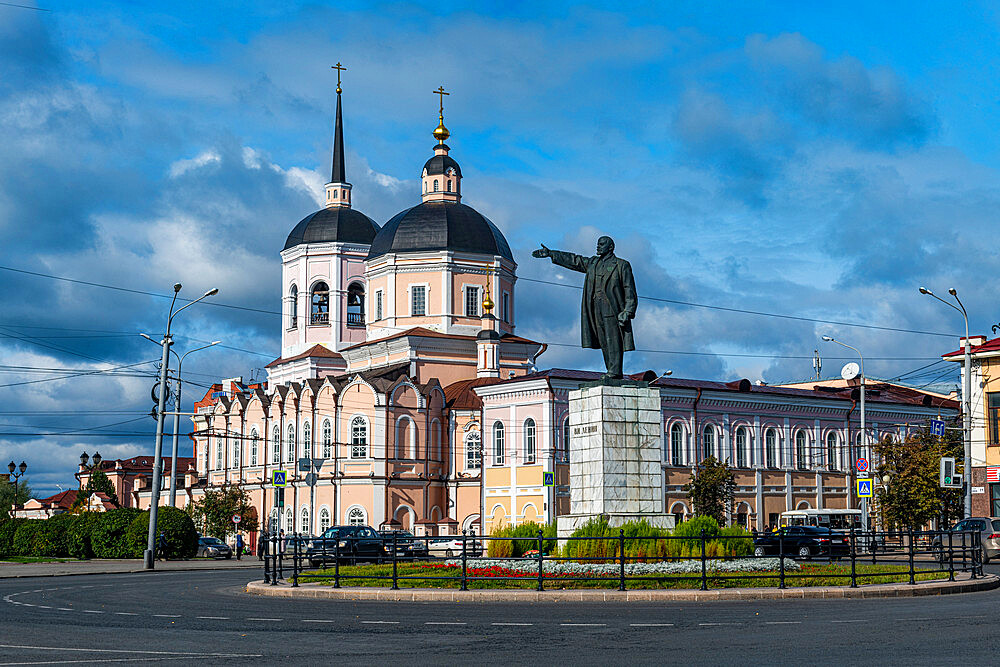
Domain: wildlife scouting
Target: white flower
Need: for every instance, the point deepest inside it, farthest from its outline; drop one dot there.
(529, 566)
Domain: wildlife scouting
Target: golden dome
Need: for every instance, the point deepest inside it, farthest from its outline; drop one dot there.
(487, 303)
(441, 132)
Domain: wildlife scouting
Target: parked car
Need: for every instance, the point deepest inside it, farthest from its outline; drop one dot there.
(407, 545)
(213, 547)
(353, 543)
(988, 528)
(451, 547)
(803, 542)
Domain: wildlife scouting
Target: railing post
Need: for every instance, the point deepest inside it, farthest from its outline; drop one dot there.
(267, 556)
(964, 553)
(395, 574)
(541, 585)
(621, 559)
(465, 570)
(274, 560)
(781, 558)
(281, 558)
(854, 561)
(871, 543)
(295, 560)
(323, 552)
(976, 554)
(336, 562)
(951, 556)
(704, 563)
(909, 535)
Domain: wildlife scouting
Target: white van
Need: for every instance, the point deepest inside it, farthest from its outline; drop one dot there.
(832, 519)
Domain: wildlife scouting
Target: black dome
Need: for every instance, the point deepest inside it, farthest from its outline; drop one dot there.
(337, 223)
(440, 226)
(439, 164)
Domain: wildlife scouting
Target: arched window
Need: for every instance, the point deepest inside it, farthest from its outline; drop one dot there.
(406, 439)
(708, 441)
(237, 446)
(449, 186)
(276, 445)
(356, 517)
(327, 439)
(304, 520)
(290, 445)
(289, 521)
(566, 440)
(307, 445)
(359, 438)
(771, 448)
(831, 450)
(498, 444)
(319, 312)
(273, 522)
(293, 298)
(435, 443)
(324, 520)
(356, 304)
(529, 440)
(473, 450)
(676, 444)
(800, 450)
(741, 446)
(220, 448)
(254, 443)
(436, 185)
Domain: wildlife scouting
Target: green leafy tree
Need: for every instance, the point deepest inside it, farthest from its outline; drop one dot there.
(711, 489)
(13, 494)
(913, 495)
(215, 511)
(176, 526)
(98, 482)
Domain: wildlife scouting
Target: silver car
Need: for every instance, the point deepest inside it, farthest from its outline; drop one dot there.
(989, 532)
(451, 547)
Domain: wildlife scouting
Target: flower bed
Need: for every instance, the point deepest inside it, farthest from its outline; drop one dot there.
(631, 569)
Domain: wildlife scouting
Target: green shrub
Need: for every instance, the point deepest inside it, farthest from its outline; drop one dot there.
(738, 542)
(24, 537)
(52, 537)
(78, 535)
(592, 549)
(108, 538)
(8, 527)
(515, 548)
(177, 528)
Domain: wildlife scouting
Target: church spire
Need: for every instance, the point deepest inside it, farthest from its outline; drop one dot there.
(442, 177)
(338, 190)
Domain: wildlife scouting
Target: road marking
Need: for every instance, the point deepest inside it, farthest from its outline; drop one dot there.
(167, 615)
(92, 611)
(214, 618)
(125, 613)
(715, 624)
(65, 609)
(914, 619)
(381, 622)
(444, 623)
(651, 625)
(317, 620)
(782, 622)
(853, 620)
(264, 619)
(44, 606)
(518, 624)
(119, 650)
(583, 625)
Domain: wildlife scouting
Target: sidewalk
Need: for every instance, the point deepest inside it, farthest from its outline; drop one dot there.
(317, 591)
(97, 566)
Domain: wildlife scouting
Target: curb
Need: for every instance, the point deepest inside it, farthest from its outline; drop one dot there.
(317, 591)
(4, 576)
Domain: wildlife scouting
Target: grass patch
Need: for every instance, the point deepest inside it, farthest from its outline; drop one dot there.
(431, 575)
(36, 559)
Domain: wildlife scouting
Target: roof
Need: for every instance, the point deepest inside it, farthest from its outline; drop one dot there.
(63, 499)
(338, 174)
(439, 164)
(143, 463)
(336, 223)
(427, 333)
(460, 395)
(884, 393)
(988, 346)
(440, 226)
(314, 351)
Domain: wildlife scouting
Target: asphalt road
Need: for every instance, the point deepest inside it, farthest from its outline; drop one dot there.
(198, 616)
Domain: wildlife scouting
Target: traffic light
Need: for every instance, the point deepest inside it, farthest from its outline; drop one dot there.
(949, 478)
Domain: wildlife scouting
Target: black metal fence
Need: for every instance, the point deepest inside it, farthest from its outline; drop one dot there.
(607, 559)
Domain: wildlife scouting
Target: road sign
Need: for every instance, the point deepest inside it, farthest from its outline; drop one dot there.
(864, 488)
(948, 476)
(278, 478)
(937, 427)
(548, 479)
(237, 518)
(862, 465)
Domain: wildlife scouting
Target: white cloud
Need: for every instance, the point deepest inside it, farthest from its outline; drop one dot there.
(181, 167)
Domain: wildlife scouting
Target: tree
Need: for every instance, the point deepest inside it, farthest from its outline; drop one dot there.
(98, 482)
(711, 490)
(13, 494)
(913, 495)
(215, 511)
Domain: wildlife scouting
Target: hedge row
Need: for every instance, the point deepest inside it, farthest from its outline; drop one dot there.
(120, 533)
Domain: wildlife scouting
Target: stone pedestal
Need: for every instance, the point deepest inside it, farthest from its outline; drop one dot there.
(615, 457)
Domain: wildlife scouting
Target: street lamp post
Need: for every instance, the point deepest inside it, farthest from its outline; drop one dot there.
(864, 431)
(154, 501)
(16, 473)
(173, 446)
(967, 395)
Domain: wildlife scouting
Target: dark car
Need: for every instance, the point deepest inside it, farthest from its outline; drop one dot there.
(407, 545)
(803, 542)
(351, 543)
(213, 547)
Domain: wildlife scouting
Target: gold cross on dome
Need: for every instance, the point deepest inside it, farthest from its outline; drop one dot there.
(440, 93)
(339, 70)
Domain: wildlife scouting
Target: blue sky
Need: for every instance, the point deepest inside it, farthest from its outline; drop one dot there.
(791, 158)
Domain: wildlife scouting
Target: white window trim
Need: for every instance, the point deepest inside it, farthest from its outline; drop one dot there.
(427, 298)
(465, 300)
(378, 312)
(368, 438)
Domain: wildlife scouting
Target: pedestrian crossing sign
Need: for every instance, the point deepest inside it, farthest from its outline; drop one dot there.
(548, 479)
(864, 488)
(278, 477)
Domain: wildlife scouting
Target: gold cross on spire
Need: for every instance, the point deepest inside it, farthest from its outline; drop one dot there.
(339, 70)
(441, 132)
(440, 93)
